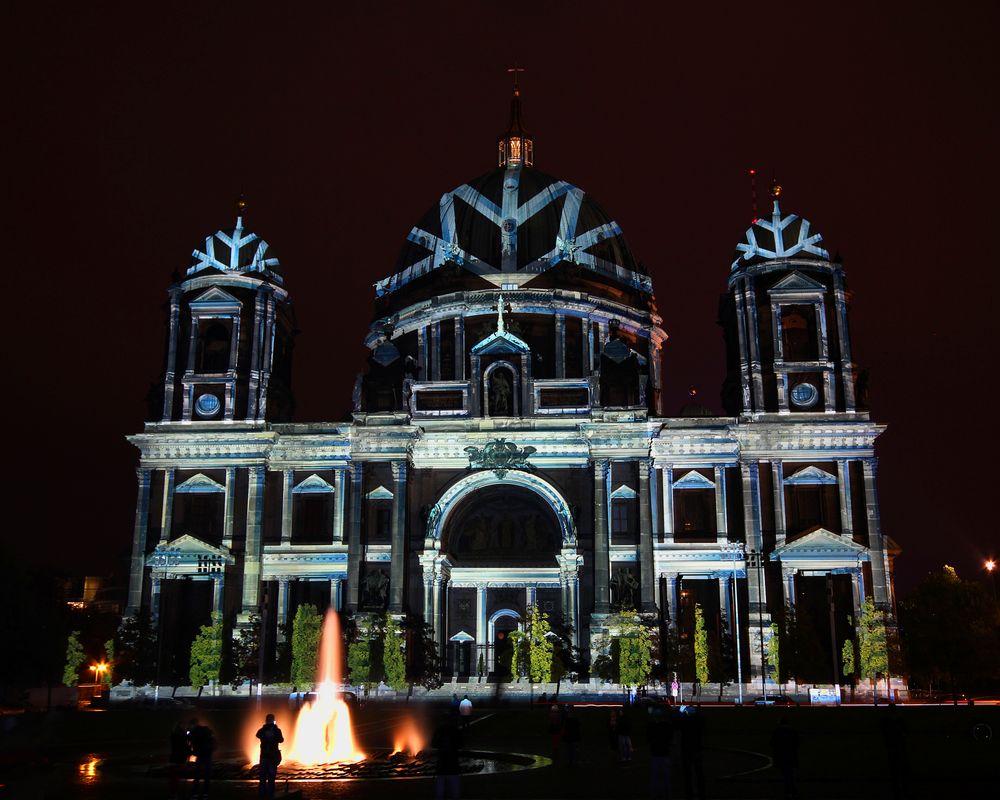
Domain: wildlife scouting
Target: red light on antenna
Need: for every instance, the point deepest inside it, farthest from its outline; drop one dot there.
(753, 172)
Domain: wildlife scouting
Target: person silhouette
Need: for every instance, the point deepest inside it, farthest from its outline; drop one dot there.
(270, 756)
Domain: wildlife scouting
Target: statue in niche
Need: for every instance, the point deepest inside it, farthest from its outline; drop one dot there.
(623, 585)
(500, 393)
(375, 589)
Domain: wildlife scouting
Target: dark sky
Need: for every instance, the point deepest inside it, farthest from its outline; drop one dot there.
(135, 131)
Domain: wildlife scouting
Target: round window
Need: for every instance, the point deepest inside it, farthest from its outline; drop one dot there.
(804, 395)
(207, 405)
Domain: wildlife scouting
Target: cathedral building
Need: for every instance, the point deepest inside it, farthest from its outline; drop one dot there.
(509, 444)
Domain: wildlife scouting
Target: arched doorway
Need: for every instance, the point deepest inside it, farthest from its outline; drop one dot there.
(502, 624)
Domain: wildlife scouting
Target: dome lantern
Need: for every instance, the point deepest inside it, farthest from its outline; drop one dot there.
(516, 147)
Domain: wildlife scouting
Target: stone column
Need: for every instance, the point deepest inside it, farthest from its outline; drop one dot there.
(668, 505)
(721, 511)
(354, 540)
(673, 598)
(170, 376)
(422, 356)
(270, 309)
(440, 616)
(753, 334)
(459, 348)
(218, 594)
(167, 510)
(530, 597)
(251, 556)
(880, 583)
(602, 556)
(255, 351)
(788, 586)
(428, 597)
(480, 618)
(844, 487)
(741, 332)
(228, 508)
(574, 606)
(434, 331)
(282, 610)
(844, 340)
(138, 565)
(560, 345)
(287, 481)
(756, 588)
(397, 566)
(588, 344)
(778, 480)
(154, 599)
(646, 590)
(726, 602)
(338, 506)
(336, 593)
(858, 592)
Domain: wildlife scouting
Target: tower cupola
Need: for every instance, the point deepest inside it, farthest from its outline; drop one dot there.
(516, 147)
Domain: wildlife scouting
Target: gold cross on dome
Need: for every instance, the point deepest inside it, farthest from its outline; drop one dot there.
(513, 71)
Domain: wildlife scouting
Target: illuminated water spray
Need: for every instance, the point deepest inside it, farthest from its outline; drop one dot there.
(323, 731)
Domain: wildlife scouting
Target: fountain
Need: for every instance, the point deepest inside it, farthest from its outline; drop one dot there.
(323, 733)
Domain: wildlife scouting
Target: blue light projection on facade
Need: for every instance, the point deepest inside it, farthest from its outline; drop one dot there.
(781, 237)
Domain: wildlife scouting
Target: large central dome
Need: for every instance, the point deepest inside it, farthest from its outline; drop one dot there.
(511, 224)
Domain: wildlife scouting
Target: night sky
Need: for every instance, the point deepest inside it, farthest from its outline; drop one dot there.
(136, 131)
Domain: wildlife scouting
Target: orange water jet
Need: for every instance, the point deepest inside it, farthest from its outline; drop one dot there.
(408, 738)
(323, 732)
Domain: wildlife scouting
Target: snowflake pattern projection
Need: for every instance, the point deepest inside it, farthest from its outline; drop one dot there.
(804, 242)
(569, 245)
(232, 256)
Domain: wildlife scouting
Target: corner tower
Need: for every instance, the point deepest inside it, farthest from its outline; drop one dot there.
(229, 345)
(785, 321)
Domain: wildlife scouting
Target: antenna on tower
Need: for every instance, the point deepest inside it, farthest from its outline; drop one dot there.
(753, 193)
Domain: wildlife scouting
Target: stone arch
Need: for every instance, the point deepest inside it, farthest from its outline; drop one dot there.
(459, 490)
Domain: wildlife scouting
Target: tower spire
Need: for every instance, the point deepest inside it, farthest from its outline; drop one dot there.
(516, 147)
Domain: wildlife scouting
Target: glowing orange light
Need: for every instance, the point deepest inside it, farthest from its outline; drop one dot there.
(408, 738)
(991, 565)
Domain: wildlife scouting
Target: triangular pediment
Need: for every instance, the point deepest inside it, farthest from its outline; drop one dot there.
(462, 636)
(797, 282)
(820, 543)
(500, 342)
(199, 484)
(314, 484)
(215, 297)
(624, 492)
(379, 493)
(810, 476)
(693, 480)
(188, 553)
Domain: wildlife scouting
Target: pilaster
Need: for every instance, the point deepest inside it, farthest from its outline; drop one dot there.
(876, 545)
(602, 562)
(844, 489)
(397, 565)
(251, 556)
(646, 571)
(338, 506)
(287, 482)
(721, 510)
(354, 540)
(171, 372)
(138, 565)
(228, 509)
(167, 508)
(778, 481)
(668, 504)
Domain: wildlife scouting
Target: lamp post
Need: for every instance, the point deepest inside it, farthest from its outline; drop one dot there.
(758, 559)
(732, 549)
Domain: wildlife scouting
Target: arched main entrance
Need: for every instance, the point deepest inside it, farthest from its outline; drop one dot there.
(496, 545)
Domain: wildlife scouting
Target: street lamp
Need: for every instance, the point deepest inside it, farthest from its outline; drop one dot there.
(732, 549)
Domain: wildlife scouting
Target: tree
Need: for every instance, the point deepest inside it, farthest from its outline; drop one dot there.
(359, 656)
(425, 662)
(635, 652)
(306, 630)
(700, 646)
(847, 662)
(951, 633)
(246, 652)
(109, 651)
(774, 654)
(538, 645)
(872, 645)
(206, 653)
(393, 657)
(135, 650)
(74, 659)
